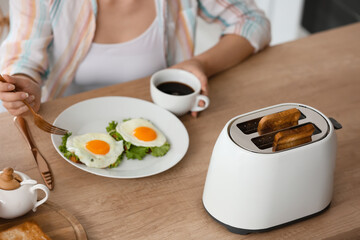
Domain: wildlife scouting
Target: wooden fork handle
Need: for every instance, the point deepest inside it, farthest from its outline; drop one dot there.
(28, 105)
(42, 164)
(21, 124)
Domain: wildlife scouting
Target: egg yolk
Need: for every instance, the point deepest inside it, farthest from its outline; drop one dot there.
(98, 147)
(144, 134)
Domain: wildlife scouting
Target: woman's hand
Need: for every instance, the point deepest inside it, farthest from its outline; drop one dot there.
(196, 67)
(229, 51)
(25, 89)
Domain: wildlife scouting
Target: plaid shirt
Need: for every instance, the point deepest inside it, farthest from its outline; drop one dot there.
(49, 38)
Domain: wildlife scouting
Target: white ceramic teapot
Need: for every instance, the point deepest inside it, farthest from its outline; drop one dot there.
(18, 194)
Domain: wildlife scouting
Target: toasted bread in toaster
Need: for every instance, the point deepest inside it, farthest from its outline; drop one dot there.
(293, 137)
(26, 231)
(278, 121)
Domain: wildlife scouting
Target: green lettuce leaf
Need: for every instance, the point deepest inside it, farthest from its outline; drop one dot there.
(127, 145)
(111, 129)
(69, 155)
(135, 152)
(160, 151)
(64, 138)
(118, 161)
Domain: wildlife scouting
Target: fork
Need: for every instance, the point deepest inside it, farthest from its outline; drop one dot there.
(41, 162)
(43, 124)
(40, 121)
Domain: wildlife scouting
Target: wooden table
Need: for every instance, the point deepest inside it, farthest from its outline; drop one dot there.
(322, 71)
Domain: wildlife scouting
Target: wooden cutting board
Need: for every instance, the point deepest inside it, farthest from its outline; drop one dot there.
(55, 221)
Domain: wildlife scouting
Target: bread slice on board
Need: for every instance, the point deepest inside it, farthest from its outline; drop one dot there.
(26, 231)
(293, 137)
(278, 121)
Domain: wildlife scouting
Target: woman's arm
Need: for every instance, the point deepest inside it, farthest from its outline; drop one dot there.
(229, 51)
(23, 55)
(246, 30)
(239, 17)
(24, 50)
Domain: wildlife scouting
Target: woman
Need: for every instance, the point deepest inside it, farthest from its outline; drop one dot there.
(67, 45)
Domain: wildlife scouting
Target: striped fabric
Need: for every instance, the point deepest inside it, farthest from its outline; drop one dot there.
(49, 38)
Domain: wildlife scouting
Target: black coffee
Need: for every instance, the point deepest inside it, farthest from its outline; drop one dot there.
(175, 88)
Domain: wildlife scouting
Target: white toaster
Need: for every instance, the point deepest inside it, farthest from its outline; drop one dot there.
(249, 188)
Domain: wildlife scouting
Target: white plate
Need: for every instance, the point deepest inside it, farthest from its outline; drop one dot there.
(94, 115)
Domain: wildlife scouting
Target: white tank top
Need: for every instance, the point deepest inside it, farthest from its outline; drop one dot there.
(107, 64)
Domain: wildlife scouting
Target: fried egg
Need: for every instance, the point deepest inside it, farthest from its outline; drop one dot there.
(97, 150)
(141, 132)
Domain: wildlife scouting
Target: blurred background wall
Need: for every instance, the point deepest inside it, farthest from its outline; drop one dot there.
(292, 19)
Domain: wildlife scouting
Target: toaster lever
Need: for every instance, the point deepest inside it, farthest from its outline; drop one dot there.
(335, 123)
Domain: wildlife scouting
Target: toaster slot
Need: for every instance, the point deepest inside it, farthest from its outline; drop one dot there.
(251, 126)
(266, 141)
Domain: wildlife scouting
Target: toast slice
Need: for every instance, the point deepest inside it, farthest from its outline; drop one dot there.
(28, 230)
(278, 121)
(293, 137)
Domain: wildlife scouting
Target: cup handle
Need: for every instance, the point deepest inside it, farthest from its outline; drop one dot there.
(41, 187)
(196, 107)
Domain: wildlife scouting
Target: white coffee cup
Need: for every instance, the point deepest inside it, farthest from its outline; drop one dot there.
(177, 104)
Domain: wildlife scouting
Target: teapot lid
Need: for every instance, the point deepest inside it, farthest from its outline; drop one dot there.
(9, 180)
